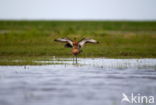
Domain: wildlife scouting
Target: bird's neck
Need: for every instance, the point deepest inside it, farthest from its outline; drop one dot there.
(75, 47)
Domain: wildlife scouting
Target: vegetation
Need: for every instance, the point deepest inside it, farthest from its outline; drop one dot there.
(118, 39)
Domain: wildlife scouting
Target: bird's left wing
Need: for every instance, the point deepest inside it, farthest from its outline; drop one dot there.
(87, 40)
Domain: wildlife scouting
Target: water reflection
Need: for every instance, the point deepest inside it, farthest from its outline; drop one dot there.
(107, 63)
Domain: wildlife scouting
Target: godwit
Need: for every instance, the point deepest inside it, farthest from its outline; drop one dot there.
(76, 45)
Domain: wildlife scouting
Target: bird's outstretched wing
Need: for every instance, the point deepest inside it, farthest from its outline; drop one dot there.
(87, 40)
(68, 42)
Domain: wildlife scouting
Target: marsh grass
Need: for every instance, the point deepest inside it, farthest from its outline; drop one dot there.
(118, 39)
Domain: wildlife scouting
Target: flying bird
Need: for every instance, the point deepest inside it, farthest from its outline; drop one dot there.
(76, 45)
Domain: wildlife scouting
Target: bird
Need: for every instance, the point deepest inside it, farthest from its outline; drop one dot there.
(76, 45)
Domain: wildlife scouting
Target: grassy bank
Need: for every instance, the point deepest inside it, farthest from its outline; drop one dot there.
(118, 39)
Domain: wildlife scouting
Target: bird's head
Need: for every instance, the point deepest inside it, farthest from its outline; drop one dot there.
(75, 43)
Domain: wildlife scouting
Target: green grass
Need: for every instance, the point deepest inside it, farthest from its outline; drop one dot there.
(118, 39)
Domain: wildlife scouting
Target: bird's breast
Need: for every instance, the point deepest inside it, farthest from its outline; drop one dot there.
(75, 51)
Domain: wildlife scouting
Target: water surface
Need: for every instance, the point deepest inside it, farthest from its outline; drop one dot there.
(95, 81)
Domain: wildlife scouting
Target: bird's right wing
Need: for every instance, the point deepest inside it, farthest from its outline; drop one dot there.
(66, 40)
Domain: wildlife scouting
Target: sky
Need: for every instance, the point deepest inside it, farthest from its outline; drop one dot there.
(78, 9)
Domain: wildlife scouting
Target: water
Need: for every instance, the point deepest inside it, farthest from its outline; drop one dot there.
(90, 82)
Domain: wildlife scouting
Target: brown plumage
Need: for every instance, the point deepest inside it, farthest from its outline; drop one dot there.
(76, 45)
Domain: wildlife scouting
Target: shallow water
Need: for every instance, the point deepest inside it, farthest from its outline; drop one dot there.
(90, 82)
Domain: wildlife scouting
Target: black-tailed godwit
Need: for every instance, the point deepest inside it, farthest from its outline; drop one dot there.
(76, 45)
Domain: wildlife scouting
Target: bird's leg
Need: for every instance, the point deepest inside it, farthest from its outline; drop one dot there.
(76, 58)
(73, 59)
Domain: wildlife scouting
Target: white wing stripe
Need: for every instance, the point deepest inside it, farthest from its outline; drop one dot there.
(86, 40)
(65, 40)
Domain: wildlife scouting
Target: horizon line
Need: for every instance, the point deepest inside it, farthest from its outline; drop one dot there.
(77, 19)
